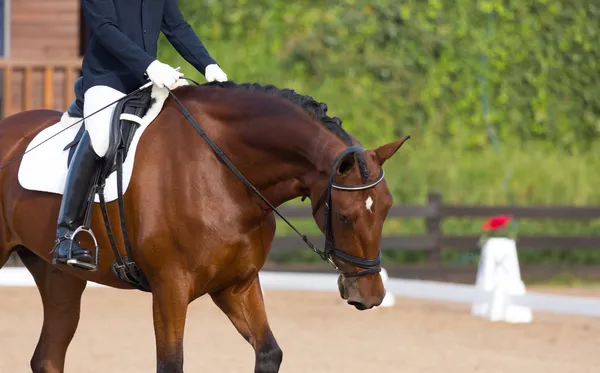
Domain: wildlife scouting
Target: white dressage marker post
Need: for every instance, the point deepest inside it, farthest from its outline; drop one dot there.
(389, 300)
(499, 275)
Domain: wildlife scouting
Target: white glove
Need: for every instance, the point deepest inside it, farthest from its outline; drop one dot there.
(162, 75)
(213, 72)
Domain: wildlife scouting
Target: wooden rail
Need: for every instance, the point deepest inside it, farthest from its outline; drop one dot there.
(37, 84)
(434, 240)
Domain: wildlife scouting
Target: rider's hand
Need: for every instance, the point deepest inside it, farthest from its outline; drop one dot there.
(213, 72)
(162, 75)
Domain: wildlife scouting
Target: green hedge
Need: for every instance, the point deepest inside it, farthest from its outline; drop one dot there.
(423, 67)
(459, 76)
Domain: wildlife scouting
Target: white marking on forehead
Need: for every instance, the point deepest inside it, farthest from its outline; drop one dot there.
(369, 204)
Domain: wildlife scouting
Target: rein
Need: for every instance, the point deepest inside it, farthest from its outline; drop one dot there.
(369, 266)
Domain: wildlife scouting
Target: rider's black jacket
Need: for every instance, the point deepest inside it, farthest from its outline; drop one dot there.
(123, 38)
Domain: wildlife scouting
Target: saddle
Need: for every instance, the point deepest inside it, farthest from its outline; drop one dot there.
(125, 121)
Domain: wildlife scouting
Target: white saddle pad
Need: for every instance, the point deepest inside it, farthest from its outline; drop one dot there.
(44, 169)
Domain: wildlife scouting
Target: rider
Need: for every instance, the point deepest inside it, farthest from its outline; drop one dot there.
(120, 56)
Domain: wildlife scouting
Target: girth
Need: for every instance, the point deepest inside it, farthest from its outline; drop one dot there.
(122, 133)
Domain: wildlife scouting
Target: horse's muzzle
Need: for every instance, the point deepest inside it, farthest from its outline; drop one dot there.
(342, 288)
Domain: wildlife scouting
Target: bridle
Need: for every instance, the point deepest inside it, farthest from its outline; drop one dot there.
(330, 252)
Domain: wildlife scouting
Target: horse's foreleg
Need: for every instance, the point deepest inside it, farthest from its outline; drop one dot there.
(5, 250)
(61, 298)
(4, 254)
(243, 304)
(169, 306)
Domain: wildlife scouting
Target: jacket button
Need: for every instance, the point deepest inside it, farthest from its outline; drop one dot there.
(144, 31)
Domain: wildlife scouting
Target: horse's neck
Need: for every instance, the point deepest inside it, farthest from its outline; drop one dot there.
(289, 156)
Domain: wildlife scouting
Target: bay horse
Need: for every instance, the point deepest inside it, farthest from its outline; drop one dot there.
(195, 226)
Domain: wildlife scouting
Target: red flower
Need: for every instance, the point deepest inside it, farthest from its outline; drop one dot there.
(496, 222)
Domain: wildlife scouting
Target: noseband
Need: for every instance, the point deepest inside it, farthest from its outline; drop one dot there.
(330, 252)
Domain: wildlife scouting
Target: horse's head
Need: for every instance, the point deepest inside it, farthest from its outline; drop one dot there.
(350, 205)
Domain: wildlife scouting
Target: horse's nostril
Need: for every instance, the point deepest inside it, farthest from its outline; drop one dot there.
(357, 305)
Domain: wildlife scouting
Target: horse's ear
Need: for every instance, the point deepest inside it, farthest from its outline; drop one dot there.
(346, 164)
(385, 152)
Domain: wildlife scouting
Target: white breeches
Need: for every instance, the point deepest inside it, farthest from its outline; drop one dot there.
(98, 125)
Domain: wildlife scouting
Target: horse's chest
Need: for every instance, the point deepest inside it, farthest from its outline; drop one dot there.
(244, 245)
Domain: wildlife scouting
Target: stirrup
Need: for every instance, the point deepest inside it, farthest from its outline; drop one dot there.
(73, 262)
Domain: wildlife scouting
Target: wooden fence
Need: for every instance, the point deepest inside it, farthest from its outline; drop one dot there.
(434, 240)
(37, 84)
(435, 211)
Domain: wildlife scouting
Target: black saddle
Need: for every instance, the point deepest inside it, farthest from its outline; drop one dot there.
(122, 132)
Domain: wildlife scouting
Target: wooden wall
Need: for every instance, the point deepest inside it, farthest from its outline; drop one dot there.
(42, 31)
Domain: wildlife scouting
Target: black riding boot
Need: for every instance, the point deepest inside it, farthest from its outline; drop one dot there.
(78, 189)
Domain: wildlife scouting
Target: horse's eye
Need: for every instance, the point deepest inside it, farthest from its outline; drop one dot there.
(344, 219)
